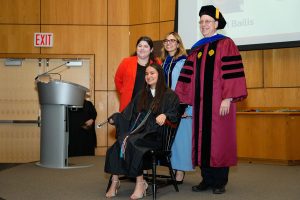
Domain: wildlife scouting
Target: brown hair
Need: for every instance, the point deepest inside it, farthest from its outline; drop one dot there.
(160, 90)
(180, 50)
(149, 41)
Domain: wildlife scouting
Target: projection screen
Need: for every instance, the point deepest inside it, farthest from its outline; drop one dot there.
(252, 24)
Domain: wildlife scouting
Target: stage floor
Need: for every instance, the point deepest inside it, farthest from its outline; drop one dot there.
(246, 182)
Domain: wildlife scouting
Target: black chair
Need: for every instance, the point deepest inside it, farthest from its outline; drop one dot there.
(162, 157)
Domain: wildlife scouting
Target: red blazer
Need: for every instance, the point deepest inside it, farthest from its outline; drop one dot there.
(125, 79)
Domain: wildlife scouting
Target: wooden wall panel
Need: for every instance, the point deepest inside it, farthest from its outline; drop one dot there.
(19, 101)
(262, 142)
(272, 97)
(293, 137)
(106, 103)
(282, 67)
(18, 38)
(100, 151)
(113, 106)
(19, 97)
(165, 28)
(19, 12)
(118, 49)
(167, 10)
(82, 40)
(101, 71)
(151, 30)
(20, 145)
(118, 12)
(101, 107)
(143, 11)
(91, 12)
(253, 66)
(77, 39)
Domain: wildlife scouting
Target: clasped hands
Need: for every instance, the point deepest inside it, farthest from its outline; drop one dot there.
(88, 124)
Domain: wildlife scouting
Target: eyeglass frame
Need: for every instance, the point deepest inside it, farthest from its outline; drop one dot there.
(171, 41)
(206, 22)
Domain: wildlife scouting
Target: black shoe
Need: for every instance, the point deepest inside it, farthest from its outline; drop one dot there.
(219, 190)
(201, 187)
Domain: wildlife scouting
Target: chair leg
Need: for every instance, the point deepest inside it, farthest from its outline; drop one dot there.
(109, 183)
(172, 175)
(153, 177)
(173, 179)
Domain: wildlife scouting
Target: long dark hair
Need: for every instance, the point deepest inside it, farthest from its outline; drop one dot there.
(160, 90)
(152, 57)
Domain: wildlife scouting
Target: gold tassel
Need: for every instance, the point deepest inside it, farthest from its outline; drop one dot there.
(217, 13)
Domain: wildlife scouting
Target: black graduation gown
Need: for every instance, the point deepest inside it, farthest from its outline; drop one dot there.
(138, 143)
(82, 142)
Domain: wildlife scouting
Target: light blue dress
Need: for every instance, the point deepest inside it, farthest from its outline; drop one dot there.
(182, 147)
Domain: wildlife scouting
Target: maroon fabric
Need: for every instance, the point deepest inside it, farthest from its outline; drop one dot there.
(226, 84)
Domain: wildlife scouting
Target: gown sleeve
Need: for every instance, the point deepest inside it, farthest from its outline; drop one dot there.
(171, 106)
(122, 120)
(185, 84)
(90, 109)
(232, 71)
(119, 76)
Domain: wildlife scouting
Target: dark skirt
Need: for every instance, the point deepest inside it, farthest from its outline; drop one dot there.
(134, 159)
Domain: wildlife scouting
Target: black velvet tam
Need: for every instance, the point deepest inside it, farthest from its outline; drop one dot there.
(214, 13)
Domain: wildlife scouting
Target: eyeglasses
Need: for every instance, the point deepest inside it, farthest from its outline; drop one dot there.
(206, 22)
(171, 41)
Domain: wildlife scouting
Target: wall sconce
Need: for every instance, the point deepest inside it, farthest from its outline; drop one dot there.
(13, 62)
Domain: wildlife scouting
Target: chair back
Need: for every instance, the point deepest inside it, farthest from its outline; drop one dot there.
(169, 130)
(162, 157)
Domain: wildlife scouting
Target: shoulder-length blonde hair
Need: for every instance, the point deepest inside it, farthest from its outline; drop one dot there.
(180, 50)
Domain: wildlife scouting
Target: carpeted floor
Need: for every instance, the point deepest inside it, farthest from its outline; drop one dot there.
(246, 182)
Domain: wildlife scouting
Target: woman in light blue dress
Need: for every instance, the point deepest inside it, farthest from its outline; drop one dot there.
(173, 57)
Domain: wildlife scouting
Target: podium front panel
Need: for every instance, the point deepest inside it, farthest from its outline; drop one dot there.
(54, 137)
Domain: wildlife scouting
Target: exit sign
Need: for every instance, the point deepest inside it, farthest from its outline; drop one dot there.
(43, 39)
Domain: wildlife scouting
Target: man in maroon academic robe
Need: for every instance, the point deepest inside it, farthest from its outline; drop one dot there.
(212, 80)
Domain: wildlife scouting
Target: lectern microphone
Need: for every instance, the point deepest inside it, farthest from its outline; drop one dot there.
(47, 72)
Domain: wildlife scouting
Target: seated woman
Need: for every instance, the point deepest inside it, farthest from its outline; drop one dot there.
(139, 129)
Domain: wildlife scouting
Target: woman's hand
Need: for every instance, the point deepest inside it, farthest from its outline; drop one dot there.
(89, 122)
(160, 119)
(111, 121)
(225, 106)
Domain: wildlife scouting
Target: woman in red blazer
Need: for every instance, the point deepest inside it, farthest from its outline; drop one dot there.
(129, 78)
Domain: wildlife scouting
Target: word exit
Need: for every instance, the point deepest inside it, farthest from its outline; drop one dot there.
(43, 39)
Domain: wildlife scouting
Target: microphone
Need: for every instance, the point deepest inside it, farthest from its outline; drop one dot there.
(47, 72)
(101, 124)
